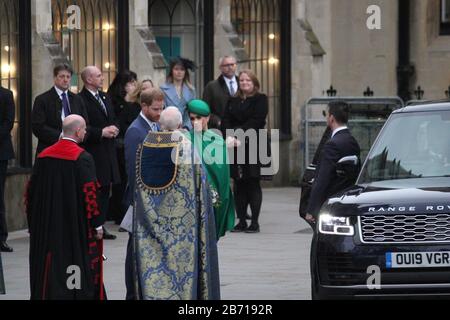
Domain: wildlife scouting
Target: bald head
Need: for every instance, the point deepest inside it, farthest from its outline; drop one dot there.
(92, 78)
(74, 127)
(171, 119)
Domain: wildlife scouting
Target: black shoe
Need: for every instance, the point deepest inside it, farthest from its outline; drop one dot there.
(240, 227)
(107, 235)
(122, 230)
(254, 228)
(4, 247)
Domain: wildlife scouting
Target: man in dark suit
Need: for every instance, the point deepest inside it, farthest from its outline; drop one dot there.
(52, 107)
(7, 113)
(152, 105)
(101, 134)
(218, 92)
(341, 145)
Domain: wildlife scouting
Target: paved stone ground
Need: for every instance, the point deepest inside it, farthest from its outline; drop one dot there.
(272, 265)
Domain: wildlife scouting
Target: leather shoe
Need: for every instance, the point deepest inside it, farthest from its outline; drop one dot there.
(240, 227)
(107, 235)
(4, 247)
(254, 228)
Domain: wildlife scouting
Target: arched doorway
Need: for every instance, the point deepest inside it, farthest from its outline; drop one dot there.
(180, 28)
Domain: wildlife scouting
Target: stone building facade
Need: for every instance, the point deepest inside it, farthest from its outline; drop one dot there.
(298, 49)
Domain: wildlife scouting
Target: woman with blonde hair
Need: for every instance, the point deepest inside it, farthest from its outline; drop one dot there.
(248, 110)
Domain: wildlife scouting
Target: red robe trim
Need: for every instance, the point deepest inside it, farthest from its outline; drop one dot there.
(70, 151)
(63, 150)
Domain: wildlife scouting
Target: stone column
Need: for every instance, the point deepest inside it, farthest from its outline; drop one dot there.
(45, 49)
(146, 58)
(311, 39)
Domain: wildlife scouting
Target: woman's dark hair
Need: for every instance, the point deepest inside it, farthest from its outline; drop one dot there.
(117, 88)
(187, 65)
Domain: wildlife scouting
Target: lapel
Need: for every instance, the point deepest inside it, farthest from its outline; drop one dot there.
(90, 96)
(340, 132)
(187, 94)
(105, 102)
(72, 106)
(56, 101)
(223, 85)
(144, 125)
(171, 94)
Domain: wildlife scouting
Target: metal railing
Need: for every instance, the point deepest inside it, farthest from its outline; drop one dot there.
(367, 117)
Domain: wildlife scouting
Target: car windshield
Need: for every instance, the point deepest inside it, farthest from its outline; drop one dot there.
(411, 146)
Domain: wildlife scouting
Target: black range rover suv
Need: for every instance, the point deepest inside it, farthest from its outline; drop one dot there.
(389, 235)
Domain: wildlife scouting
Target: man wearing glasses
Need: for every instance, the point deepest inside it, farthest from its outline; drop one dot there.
(217, 92)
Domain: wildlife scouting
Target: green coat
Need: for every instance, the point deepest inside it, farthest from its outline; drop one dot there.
(218, 177)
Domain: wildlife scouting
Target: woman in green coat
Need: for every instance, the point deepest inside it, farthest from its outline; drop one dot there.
(214, 158)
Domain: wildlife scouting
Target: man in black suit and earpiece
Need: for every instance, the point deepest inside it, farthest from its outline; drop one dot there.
(341, 145)
(102, 130)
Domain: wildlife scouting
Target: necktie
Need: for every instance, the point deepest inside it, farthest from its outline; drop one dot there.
(232, 91)
(65, 103)
(101, 103)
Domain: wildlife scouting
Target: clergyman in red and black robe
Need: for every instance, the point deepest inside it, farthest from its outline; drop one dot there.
(65, 258)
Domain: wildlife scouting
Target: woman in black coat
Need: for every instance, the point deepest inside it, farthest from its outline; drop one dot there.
(247, 111)
(123, 86)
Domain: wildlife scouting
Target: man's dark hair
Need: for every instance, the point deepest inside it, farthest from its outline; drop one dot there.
(340, 111)
(62, 67)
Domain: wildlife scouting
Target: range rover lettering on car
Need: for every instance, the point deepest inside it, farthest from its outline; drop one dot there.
(396, 218)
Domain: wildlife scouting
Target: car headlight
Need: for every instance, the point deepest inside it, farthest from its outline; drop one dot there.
(329, 224)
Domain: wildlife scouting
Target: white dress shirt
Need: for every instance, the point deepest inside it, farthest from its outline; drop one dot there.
(69, 139)
(151, 124)
(337, 130)
(231, 83)
(60, 92)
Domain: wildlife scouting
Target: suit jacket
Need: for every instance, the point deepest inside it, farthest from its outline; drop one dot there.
(308, 176)
(326, 182)
(217, 94)
(46, 117)
(250, 113)
(134, 136)
(171, 99)
(102, 150)
(7, 115)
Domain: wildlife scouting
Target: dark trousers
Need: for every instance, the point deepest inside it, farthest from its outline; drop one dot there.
(117, 209)
(3, 227)
(103, 201)
(248, 192)
(129, 278)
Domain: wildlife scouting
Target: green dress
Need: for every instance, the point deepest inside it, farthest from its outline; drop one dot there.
(215, 159)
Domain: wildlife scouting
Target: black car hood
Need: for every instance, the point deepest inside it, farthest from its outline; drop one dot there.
(413, 196)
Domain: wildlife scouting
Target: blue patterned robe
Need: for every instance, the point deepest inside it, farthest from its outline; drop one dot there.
(175, 250)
